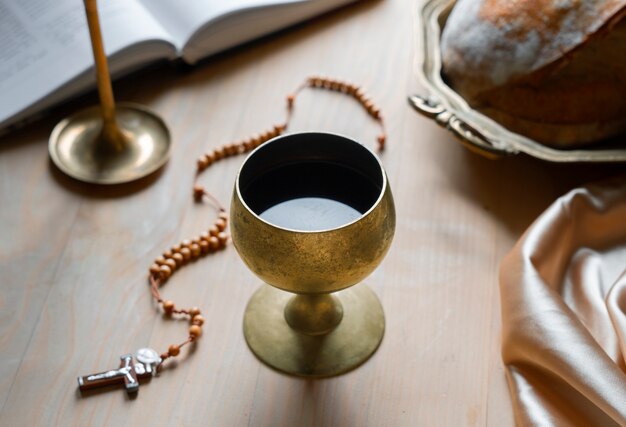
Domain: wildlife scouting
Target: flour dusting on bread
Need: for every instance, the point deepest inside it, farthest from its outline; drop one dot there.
(491, 42)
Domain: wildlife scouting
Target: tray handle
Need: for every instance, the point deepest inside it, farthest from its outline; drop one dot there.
(469, 136)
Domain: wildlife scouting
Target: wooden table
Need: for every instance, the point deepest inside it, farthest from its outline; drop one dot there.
(74, 258)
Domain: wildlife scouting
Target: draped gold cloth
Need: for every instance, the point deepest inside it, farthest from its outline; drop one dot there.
(563, 292)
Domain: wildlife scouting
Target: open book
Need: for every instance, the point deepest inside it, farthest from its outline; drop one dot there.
(45, 53)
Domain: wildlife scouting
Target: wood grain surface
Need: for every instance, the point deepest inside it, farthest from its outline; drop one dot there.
(74, 257)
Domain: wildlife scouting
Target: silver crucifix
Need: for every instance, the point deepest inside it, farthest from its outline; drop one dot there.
(128, 373)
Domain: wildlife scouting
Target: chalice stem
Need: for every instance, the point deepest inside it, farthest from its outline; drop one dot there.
(316, 314)
(111, 137)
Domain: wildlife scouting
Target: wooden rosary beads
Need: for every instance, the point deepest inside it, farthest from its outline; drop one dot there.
(348, 88)
(210, 241)
(187, 251)
(251, 143)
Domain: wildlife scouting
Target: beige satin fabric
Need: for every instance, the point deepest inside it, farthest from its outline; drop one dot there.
(563, 293)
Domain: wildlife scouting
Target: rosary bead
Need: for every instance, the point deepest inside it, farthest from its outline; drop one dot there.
(256, 140)
(195, 250)
(218, 153)
(185, 243)
(168, 306)
(220, 224)
(194, 311)
(198, 193)
(179, 259)
(167, 254)
(173, 350)
(202, 163)
(204, 246)
(213, 230)
(223, 238)
(176, 248)
(204, 235)
(195, 331)
(381, 140)
(197, 320)
(160, 260)
(171, 263)
(223, 215)
(166, 272)
(214, 243)
(155, 269)
(231, 149)
(186, 253)
(290, 99)
(247, 145)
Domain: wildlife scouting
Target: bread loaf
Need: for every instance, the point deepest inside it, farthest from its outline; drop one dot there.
(554, 70)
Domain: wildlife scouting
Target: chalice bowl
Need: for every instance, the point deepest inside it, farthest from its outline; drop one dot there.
(312, 215)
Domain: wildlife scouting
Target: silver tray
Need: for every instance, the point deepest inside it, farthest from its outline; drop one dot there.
(475, 130)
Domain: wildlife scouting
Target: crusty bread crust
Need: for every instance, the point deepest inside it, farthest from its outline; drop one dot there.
(556, 66)
(490, 43)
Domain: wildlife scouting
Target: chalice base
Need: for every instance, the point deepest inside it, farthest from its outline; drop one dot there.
(350, 344)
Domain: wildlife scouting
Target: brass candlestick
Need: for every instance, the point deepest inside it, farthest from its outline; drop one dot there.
(108, 145)
(327, 327)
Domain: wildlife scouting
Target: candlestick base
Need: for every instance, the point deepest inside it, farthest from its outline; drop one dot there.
(348, 345)
(77, 148)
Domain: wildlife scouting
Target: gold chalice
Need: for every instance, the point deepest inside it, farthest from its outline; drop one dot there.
(312, 214)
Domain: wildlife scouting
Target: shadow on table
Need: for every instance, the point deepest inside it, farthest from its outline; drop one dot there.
(516, 190)
(103, 191)
(318, 403)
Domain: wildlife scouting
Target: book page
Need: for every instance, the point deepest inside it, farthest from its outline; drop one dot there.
(183, 18)
(235, 28)
(204, 27)
(44, 44)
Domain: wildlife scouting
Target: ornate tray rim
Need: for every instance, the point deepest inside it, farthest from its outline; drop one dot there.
(476, 131)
